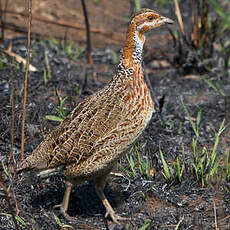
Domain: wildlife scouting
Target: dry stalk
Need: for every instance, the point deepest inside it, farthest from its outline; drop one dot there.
(26, 77)
(215, 218)
(194, 32)
(18, 58)
(11, 156)
(178, 15)
(6, 192)
(90, 60)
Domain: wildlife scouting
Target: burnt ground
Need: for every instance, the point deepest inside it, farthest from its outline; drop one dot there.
(149, 202)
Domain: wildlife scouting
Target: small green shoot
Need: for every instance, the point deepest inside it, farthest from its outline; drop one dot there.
(77, 88)
(198, 118)
(18, 218)
(1, 65)
(115, 57)
(33, 53)
(145, 225)
(131, 172)
(130, 159)
(60, 111)
(166, 172)
(178, 169)
(183, 154)
(179, 131)
(71, 50)
(137, 4)
(227, 165)
(213, 86)
(61, 108)
(44, 76)
(206, 165)
(137, 162)
(213, 156)
(52, 42)
(225, 17)
(61, 225)
(47, 65)
(178, 224)
(5, 169)
(144, 164)
(54, 118)
(68, 48)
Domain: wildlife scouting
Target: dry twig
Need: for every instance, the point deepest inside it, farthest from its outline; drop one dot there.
(90, 60)
(19, 59)
(6, 192)
(11, 156)
(26, 78)
(178, 15)
(215, 218)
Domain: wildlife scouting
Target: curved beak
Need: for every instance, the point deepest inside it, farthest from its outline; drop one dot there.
(166, 20)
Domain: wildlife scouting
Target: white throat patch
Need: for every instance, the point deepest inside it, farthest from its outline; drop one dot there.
(137, 48)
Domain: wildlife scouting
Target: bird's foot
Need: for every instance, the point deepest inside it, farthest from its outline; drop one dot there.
(115, 218)
(65, 214)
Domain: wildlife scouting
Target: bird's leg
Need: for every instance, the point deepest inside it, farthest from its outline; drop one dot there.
(99, 184)
(65, 202)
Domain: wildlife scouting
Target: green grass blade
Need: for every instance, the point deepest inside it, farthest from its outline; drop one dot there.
(131, 164)
(5, 169)
(195, 129)
(217, 8)
(61, 107)
(198, 118)
(178, 168)
(213, 155)
(137, 4)
(20, 220)
(220, 91)
(57, 221)
(227, 165)
(166, 171)
(145, 226)
(53, 118)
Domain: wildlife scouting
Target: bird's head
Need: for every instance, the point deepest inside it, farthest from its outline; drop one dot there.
(147, 19)
(141, 22)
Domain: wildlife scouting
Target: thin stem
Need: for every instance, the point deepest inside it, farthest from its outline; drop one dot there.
(11, 156)
(179, 18)
(90, 60)
(26, 77)
(8, 202)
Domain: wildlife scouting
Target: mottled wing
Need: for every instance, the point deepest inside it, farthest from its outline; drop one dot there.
(77, 137)
(81, 138)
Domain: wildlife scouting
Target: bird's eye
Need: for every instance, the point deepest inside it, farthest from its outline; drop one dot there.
(150, 18)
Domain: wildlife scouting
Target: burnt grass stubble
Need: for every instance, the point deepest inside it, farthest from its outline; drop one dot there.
(151, 200)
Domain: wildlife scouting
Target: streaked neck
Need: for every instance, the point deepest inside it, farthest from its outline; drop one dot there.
(132, 51)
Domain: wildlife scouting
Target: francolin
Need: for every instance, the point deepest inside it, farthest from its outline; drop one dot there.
(90, 140)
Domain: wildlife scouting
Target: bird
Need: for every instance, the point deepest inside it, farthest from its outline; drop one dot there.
(86, 145)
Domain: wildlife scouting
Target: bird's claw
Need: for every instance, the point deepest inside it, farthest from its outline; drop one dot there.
(115, 218)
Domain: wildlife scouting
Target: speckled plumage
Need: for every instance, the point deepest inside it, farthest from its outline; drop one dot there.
(103, 126)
